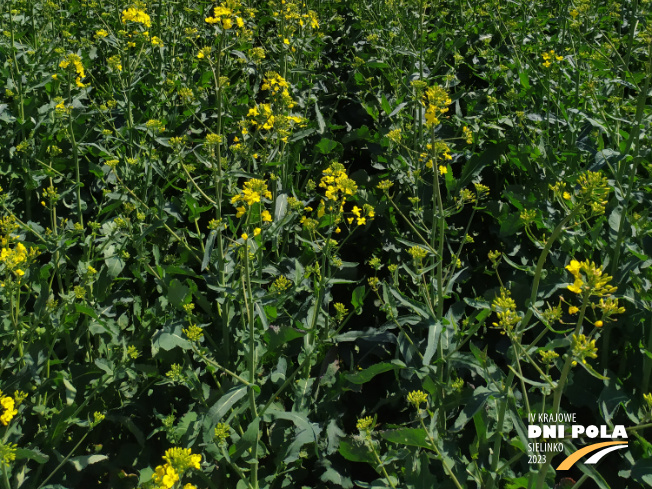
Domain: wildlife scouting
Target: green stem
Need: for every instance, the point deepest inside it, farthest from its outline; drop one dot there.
(541, 262)
(568, 363)
(447, 469)
(65, 459)
(236, 469)
(248, 297)
(380, 464)
(495, 458)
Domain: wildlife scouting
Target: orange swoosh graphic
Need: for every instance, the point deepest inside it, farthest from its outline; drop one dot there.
(571, 459)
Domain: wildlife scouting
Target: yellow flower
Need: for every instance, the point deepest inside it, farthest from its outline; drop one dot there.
(241, 211)
(266, 216)
(8, 404)
(136, 15)
(417, 397)
(365, 424)
(598, 324)
(443, 170)
(257, 231)
(244, 236)
(573, 310)
(169, 476)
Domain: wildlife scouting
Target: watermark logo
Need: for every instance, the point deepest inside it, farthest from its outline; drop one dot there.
(550, 427)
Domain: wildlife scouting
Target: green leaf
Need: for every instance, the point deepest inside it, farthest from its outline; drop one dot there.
(208, 248)
(476, 164)
(434, 332)
(31, 454)
(114, 265)
(367, 374)
(525, 81)
(320, 119)
(83, 461)
(169, 341)
(84, 309)
(247, 441)
(332, 475)
(385, 104)
(71, 392)
(226, 402)
(305, 433)
(478, 399)
(177, 293)
(414, 437)
(642, 471)
(357, 298)
(356, 452)
(325, 146)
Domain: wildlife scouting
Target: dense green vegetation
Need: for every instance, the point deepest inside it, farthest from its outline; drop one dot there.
(276, 244)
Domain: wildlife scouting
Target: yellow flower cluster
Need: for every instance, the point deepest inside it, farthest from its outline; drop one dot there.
(274, 82)
(7, 453)
(178, 461)
(254, 190)
(549, 57)
(17, 258)
(589, 279)
(280, 285)
(365, 424)
(277, 85)
(222, 432)
(264, 113)
(594, 189)
(442, 153)
(337, 183)
(505, 308)
(436, 100)
(136, 15)
(9, 409)
(225, 16)
(416, 398)
(290, 12)
(74, 61)
(361, 214)
(583, 348)
(193, 332)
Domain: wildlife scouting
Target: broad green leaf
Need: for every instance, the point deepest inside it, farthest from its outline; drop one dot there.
(81, 462)
(31, 454)
(478, 399)
(326, 146)
(414, 437)
(177, 293)
(434, 331)
(356, 452)
(367, 374)
(169, 341)
(226, 402)
(357, 298)
(208, 248)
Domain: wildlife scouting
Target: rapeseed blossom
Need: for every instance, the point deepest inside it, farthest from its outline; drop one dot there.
(437, 101)
(136, 15)
(589, 279)
(225, 16)
(337, 183)
(416, 398)
(254, 190)
(9, 409)
(549, 57)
